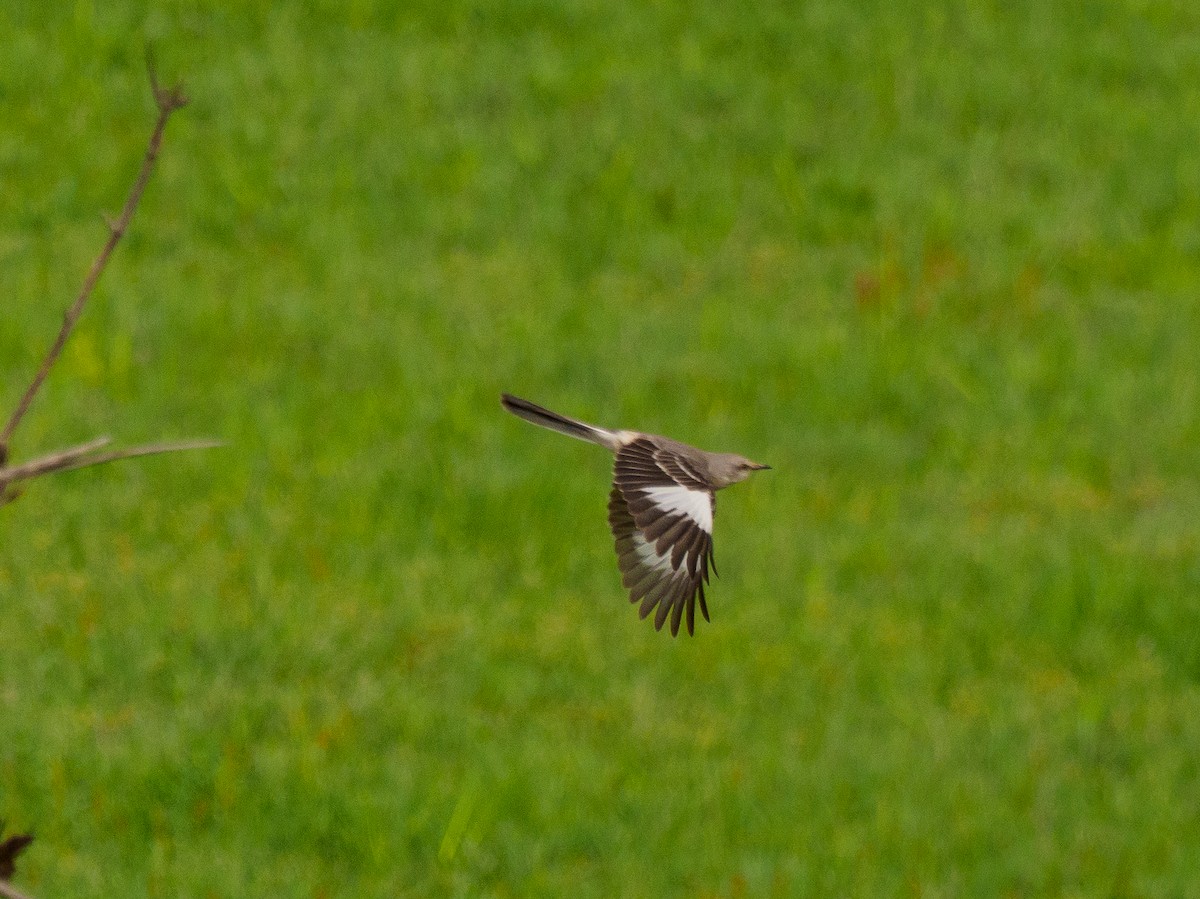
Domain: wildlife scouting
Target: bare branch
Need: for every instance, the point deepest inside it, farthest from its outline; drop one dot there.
(81, 457)
(146, 449)
(168, 100)
(51, 462)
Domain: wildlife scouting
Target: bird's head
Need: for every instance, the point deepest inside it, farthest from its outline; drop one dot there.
(730, 468)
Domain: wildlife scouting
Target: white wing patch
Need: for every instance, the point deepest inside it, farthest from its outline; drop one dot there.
(678, 500)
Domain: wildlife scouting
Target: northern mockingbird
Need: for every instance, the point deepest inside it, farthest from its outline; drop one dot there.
(660, 510)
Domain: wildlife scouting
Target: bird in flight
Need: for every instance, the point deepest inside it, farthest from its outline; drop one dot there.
(660, 511)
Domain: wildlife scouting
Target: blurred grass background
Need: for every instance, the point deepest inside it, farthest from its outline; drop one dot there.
(937, 266)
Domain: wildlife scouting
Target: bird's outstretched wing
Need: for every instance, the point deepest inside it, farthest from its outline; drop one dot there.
(661, 515)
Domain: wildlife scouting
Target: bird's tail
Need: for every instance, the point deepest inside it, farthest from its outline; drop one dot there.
(532, 412)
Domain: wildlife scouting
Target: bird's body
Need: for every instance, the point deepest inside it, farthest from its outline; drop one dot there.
(660, 510)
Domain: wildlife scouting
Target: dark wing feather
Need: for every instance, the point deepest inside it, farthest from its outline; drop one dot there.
(663, 550)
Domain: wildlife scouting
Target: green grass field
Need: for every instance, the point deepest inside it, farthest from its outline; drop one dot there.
(938, 267)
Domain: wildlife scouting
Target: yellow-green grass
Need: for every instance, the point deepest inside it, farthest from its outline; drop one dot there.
(938, 267)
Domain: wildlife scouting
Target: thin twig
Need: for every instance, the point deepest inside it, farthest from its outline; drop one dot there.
(51, 461)
(80, 457)
(168, 100)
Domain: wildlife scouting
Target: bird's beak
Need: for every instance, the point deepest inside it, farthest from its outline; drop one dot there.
(758, 467)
